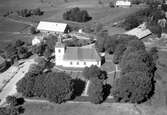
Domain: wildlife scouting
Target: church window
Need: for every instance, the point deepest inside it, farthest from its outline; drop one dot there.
(59, 50)
(77, 63)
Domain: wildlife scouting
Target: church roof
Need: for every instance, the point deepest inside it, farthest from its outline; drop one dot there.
(83, 54)
(51, 26)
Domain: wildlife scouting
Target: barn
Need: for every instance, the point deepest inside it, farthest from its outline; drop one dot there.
(53, 27)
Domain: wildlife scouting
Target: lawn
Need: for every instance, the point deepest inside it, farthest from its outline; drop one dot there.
(77, 109)
(160, 97)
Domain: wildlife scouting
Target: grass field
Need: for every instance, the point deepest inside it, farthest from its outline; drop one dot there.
(53, 10)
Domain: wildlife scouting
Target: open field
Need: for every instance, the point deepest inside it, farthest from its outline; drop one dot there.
(72, 109)
(53, 10)
(9, 26)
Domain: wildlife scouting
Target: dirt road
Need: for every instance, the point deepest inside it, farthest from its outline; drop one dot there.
(10, 88)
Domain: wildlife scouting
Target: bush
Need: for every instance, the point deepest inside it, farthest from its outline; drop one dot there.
(75, 14)
(112, 4)
(33, 30)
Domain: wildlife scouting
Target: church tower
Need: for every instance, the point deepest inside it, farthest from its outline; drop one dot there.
(59, 52)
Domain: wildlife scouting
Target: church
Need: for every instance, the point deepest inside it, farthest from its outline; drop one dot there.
(78, 57)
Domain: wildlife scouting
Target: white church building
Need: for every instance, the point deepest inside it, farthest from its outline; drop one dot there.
(79, 57)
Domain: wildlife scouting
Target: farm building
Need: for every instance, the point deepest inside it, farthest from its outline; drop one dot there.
(76, 56)
(123, 3)
(141, 31)
(53, 27)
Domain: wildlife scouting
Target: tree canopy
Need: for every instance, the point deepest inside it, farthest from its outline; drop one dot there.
(94, 72)
(56, 87)
(76, 14)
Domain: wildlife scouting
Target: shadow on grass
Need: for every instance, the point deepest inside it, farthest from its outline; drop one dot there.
(79, 86)
(106, 90)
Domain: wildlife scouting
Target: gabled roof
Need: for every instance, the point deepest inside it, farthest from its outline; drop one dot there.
(83, 54)
(51, 26)
(140, 32)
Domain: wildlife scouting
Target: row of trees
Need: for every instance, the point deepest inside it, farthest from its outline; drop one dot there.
(17, 50)
(136, 83)
(30, 12)
(56, 87)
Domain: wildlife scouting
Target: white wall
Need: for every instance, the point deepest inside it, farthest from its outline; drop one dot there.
(81, 63)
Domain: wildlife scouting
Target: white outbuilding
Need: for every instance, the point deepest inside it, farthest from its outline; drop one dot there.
(123, 3)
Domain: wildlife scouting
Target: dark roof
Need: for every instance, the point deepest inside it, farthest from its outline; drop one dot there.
(83, 54)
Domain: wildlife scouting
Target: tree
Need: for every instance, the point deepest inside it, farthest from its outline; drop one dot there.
(11, 53)
(33, 30)
(101, 40)
(140, 56)
(154, 53)
(136, 45)
(56, 87)
(19, 43)
(38, 49)
(95, 91)
(26, 84)
(59, 87)
(76, 14)
(23, 52)
(36, 69)
(37, 11)
(94, 72)
(162, 23)
(118, 53)
(134, 87)
(12, 100)
(51, 42)
(131, 22)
